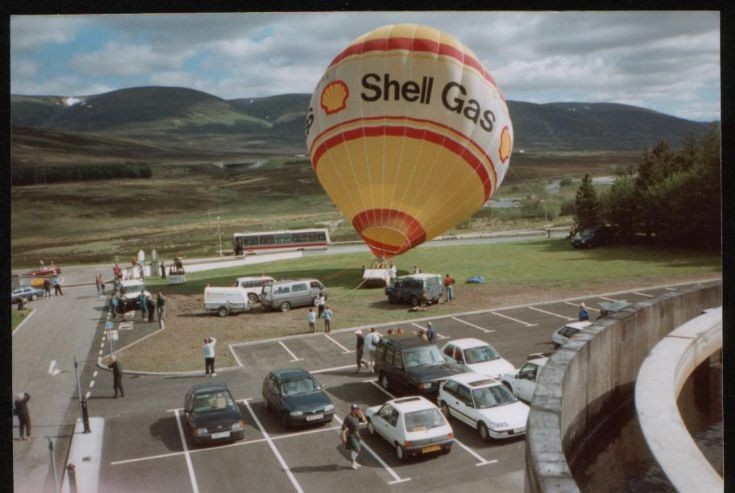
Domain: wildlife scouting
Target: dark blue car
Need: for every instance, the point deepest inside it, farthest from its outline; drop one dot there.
(212, 415)
(297, 397)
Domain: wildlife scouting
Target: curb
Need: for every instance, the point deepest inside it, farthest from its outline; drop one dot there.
(17, 329)
(386, 324)
(85, 452)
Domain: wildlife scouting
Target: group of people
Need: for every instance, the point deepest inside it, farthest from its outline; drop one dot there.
(322, 311)
(373, 339)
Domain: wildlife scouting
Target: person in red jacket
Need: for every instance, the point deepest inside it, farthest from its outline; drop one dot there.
(449, 288)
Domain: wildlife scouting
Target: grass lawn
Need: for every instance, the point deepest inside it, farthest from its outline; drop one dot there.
(514, 272)
(18, 317)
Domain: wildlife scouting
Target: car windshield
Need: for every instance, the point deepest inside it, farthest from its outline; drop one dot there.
(497, 395)
(132, 289)
(428, 355)
(299, 386)
(213, 401)
(480, 355)
(423, 420)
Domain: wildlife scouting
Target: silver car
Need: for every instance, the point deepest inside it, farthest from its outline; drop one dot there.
(284, 295)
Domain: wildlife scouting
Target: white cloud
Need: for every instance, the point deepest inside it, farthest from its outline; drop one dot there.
(126, 59)
(60, 86)
(27, 32)
(22, 68)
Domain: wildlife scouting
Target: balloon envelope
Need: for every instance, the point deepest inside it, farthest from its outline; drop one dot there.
(408, 134)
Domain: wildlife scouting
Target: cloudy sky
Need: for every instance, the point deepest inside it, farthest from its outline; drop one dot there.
(666, 61)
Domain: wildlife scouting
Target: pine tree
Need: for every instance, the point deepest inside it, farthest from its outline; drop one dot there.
(586, 205)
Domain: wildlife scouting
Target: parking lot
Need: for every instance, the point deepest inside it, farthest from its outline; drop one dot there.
(146, 447)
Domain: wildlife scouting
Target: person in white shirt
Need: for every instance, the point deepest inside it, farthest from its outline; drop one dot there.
(208, 352)
(320, 302)
(393, 271)
(371, 344)
(311, 319)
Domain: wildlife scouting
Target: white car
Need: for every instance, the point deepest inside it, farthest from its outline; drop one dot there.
(412, 425)
(253, 286)
(562, 334)
(476, 356)
(522, 383)
(485, 404)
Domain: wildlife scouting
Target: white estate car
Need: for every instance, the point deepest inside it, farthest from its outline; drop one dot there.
(412, 425)
(523, 382)
(253, 286)
(485, 404)
(476, 356)
(562, 334)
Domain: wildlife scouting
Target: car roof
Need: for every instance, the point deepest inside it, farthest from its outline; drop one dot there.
(253, 278)
(578, 325)
(203, 388)
(132, 282)
(288, 281)
(290, 373)
(474, 380)
(405, 341)
(412, 403)
(468, 342)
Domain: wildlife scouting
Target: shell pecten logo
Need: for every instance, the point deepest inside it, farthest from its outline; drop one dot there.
(334, 97)
(505, 145)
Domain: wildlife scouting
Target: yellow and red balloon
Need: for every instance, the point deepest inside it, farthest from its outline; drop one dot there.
(408, 134)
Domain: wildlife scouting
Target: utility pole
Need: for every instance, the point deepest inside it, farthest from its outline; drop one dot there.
(79, 388)
(219, 232)
(53, 464)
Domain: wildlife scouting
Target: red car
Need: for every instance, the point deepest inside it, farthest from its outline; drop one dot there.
(44, 271)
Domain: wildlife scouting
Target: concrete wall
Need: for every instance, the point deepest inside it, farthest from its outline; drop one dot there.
(591, 374)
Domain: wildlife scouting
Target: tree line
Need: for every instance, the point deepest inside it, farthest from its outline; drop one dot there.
(671, 198)
(38, 175)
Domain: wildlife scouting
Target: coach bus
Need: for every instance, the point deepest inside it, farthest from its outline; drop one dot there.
(271, 241)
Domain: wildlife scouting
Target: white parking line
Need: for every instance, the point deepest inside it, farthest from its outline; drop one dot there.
(514, 319)
(94, 375)
(289, 352)
(234, 355)
(273, 447)
(334, 368)
(189, 465)
(487, 331)
(550, 313)
(438, 335)
(344, 349)
(396, 478)
(671, 289)
(86, 396)
(482, 461)
(577, 304)
(91, 384)
(102, 351)
(644, 294)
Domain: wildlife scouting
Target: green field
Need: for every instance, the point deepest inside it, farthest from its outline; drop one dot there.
(18, 317)
(515, 273)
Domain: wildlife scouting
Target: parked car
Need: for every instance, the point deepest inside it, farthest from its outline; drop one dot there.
(253, 286)
(522, 382)
(226, 300)
(131, 290)
(485, 404)
(28, 293)
(412, 366)
(476, 356)
(412, 426)
(415, 289)
(212, 415)
(562, 334)
(44, 271)
(297, 397)
(592, 237)
(284, 295)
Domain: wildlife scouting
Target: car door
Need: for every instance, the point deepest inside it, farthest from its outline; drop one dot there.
(464, 405)
(399, 372)
(300, 295)
(381, 421)
(526, 381)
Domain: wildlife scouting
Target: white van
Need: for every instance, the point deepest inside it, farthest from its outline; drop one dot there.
(226, 300)
(253, 286)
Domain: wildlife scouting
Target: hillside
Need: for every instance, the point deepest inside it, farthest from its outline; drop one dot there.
(187, 121)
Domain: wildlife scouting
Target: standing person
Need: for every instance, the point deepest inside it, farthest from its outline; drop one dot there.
(320, 302)
(416, 269)
(359, 350)
(208, 352)
(311, 319)
(20, 406)
(161, 307)
(117, 370)
(393, 271)
(583, 313)
(117, 271)
(150, 307)
(328, 315)
(143, 304)
(449, 288)
(57, 286)
(113, 305)
(371, 344)
(47, 288)
(422, 335)
(430, 333)
(350, 434)
(399, 331)
(100, 285)
(121, 306)
(163, 270)
(389, 333)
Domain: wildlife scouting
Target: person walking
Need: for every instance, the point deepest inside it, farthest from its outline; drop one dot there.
(117, 370)
(20, 407)
(57, 286)
(143, 305)
(117, 271)
(359, 350)
(371, 344)
(163, 270)
(328, 315)
(449, 288)
(350, 433)
(161, 307)
(430, 333)
(100, 284)
(150, 307)
(583, 313)
(208, 352)
(320, 302)
(47, 288)
(311, 319)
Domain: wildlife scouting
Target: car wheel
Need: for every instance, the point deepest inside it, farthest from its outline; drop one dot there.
(252, 297)
(400, 453)
(446, 450)
(384, 381)
(285, 306)
(445, 409)
(223, 311)
(484, 434)
(414, 301)
(370, 427)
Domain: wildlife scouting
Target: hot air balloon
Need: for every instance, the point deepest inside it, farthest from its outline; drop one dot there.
(408, 134)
